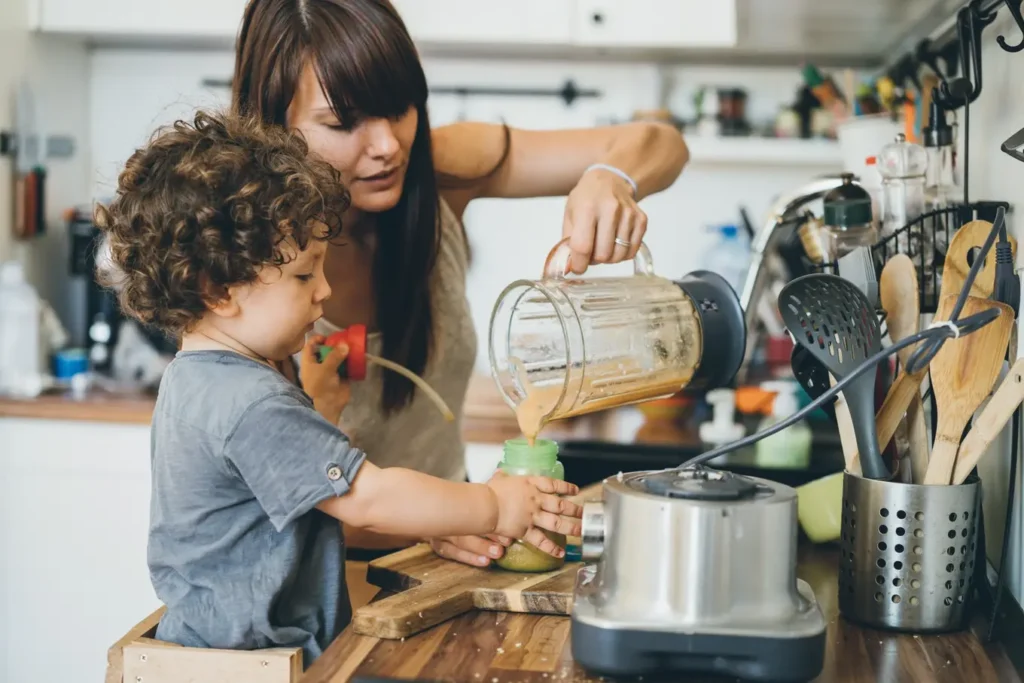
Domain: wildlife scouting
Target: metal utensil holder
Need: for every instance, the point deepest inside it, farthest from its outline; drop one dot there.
(908, 553)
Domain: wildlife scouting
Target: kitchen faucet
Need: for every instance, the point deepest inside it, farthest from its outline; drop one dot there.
(766, 265)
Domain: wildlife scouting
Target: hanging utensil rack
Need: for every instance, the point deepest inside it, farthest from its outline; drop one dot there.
(930, 229)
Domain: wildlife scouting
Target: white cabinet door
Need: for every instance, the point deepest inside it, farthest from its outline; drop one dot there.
(164, 18)
(656, 23)
(489, 21)
(74, 523)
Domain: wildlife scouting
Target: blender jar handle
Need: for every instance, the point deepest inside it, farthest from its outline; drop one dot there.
(557, 265)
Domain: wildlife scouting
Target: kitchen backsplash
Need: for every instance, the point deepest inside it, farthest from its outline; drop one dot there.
(133, 92)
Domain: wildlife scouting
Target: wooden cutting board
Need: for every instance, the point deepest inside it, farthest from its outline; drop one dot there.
(430, 590)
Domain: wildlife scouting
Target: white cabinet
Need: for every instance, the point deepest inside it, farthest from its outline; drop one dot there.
(655, 23)
(186, 19)
(638, 24)
(523, 22)
(74, 519)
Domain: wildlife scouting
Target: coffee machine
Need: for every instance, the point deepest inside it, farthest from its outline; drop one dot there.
(99, 329)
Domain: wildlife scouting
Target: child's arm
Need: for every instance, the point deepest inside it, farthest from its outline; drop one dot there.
(293, 460)
(405, 502)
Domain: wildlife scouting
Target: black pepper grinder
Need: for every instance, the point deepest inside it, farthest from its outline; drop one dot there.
(848, 216)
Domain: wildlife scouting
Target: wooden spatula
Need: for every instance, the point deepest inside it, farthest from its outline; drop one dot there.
(900, 299)
(963, 373)
(990, 422)
(954, 273)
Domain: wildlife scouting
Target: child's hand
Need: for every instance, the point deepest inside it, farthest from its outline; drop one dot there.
(321, 382)
(527, 505)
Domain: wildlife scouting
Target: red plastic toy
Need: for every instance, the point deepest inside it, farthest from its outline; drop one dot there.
(354, 367)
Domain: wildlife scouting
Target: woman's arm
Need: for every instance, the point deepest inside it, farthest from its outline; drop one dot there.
(549, 163)
(602, 219)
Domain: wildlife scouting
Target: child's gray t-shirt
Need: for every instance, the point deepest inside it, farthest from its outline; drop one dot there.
(237, 550)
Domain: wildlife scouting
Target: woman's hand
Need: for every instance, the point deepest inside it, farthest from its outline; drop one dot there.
(477, 551)
(601, 218)
(321, 382)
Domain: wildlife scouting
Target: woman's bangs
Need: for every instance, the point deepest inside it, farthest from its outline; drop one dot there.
(364, 71)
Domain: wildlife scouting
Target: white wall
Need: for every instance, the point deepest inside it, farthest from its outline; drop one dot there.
(995, 116)
(57, 72)
(132, 92)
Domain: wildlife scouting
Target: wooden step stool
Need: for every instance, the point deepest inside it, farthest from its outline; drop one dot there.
(139, 658)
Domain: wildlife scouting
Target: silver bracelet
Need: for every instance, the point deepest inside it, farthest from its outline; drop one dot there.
(617, 171)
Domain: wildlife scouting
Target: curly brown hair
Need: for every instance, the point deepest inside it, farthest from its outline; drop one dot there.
(207, 204)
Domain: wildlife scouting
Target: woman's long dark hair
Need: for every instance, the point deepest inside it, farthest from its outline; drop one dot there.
(368, 67)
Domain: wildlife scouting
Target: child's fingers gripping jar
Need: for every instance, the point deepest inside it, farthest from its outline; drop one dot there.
(540, 459)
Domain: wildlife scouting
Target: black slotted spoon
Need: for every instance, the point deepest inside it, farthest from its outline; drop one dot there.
(813, 377)
(832, 319)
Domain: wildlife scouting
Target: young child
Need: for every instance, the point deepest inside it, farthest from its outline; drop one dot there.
(217, 233)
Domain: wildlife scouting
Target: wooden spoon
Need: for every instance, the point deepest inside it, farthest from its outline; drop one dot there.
(847, 435)
(900, 299)
(990, 422)
(963, 373)
(954, 273)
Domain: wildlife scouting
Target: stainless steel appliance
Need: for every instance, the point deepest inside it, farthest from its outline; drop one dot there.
(695, 572)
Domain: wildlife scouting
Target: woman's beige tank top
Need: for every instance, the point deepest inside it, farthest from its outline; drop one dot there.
(418, 437)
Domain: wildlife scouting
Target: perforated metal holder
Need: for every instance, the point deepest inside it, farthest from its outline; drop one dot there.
(907, 554)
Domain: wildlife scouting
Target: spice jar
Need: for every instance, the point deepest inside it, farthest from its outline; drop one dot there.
(848, 216)
(540, 459)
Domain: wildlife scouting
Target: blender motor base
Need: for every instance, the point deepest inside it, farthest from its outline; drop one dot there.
(622, 652)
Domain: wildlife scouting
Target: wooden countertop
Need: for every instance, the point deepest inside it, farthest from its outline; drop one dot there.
(93, 407)
(486, 418)
(487, 647)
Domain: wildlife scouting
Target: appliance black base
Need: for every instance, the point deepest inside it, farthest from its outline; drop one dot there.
(620, 652)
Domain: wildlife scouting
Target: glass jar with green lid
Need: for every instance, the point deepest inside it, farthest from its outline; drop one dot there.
(540, 459)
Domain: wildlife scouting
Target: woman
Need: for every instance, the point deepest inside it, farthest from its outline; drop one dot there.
(346, 74)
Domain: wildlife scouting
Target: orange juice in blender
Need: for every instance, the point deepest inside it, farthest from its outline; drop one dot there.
(562, 347)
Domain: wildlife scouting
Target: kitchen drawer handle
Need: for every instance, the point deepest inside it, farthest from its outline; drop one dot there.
(597, 18)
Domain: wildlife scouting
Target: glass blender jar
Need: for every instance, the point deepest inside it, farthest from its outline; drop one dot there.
(561, 347)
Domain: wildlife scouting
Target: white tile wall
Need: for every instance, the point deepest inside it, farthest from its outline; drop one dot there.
(132, 92)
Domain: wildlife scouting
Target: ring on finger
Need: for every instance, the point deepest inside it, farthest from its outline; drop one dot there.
(623, 243)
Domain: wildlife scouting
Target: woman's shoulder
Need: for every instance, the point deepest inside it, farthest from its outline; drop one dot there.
(467, 157)
(468, 149)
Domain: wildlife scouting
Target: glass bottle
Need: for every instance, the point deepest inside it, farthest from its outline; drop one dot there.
(903, 166)
(540, 459)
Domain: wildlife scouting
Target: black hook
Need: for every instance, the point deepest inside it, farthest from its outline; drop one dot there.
(1014, 7)
(906, 69)
(969, 24)
(926, 53)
